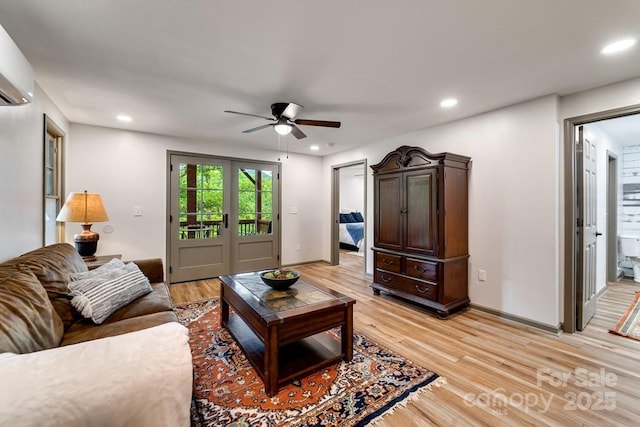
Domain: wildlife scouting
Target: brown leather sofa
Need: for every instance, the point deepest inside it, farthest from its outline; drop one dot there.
(35, 305)
(59, 369)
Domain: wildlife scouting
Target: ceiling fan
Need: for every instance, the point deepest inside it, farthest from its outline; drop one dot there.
(284, 118)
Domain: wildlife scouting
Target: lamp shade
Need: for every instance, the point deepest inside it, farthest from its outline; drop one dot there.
(83, 207)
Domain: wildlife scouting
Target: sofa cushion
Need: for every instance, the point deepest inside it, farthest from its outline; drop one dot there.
(53, 265)
(138, 380)
(156, 301)
(100, 292)
(152, 268)
(81, 332)
(29, 320)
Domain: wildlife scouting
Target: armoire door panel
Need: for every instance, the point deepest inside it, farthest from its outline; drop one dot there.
(421, 202)
(389, 220)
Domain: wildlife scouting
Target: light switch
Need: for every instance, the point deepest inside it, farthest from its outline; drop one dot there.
(482, 275)
(293, 210)
(137, 211)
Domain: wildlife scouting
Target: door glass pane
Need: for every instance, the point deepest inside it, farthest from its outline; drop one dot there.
(49, 166)
(201, 201)
(50, 224)
(255, 202)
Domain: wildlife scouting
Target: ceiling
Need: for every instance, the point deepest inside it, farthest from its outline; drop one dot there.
(624, 130)
(380, 67)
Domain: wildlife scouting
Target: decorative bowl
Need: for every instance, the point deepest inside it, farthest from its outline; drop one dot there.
(279, 279)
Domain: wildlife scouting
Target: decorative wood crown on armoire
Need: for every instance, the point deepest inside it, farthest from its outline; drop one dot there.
(421, 229)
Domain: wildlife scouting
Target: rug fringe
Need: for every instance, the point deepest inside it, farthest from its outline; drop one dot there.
(438, 382)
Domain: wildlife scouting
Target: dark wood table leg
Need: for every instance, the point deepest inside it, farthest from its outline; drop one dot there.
(271, 362)
(224, 309)
(347, 334)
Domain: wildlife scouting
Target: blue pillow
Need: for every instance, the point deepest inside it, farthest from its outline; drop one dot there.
(346, 218)
(357, 216)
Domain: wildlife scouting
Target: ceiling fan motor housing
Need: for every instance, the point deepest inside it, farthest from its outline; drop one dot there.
(288, 110)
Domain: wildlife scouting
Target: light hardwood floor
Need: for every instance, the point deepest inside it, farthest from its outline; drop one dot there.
(498, 372)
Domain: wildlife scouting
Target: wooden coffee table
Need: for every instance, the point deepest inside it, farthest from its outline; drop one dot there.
(282, 332)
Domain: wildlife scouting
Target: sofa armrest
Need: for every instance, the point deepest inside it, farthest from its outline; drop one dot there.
(152, 268)
(141, 378)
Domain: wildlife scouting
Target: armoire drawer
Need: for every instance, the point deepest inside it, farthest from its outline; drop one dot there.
(388, 262)
(422, 269)
(406, 284)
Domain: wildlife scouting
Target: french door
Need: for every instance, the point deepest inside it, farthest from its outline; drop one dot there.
(224, 217)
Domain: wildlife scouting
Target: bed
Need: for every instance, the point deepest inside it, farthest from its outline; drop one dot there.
(351, 231)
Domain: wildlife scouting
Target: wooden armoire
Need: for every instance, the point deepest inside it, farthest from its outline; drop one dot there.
(421, 228)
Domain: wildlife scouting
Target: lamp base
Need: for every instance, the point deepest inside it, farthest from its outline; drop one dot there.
(87, 242)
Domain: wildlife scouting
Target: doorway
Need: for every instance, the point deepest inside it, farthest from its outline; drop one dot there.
(348, 236)
(597, 126)
(223, 216)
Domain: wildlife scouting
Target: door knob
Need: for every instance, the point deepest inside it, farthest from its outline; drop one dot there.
(598, 234)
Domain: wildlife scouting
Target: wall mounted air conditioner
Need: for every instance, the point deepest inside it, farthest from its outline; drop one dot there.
(16, 74)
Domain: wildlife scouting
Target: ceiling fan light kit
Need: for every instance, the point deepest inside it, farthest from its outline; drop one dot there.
(284, 116)
(282, 127)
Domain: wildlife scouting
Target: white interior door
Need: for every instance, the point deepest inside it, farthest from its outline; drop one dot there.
(199, 218)
(587, 233)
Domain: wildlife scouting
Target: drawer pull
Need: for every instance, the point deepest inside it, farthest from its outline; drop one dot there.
(420, 270)
(385, 279)
(387, 262)
(422, 291)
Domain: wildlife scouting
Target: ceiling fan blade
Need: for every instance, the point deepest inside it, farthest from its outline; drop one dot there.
(255, 129)
(324, 123)
(295, 131)
(247, 114)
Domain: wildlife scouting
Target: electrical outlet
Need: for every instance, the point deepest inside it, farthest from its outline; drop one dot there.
(482, 275)
(297, 246)
(137, 211)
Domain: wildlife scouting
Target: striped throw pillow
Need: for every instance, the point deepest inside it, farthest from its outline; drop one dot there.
(98, 293)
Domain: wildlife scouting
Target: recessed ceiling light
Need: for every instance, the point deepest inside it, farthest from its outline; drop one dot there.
(124, 118)
(314, 148)
(448, 103)
(618, 46)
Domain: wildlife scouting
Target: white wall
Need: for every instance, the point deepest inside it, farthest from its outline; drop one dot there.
(631, 184)
(623, 94)
(352, 188)
(129, 169)
(513, 202)
(21, 163)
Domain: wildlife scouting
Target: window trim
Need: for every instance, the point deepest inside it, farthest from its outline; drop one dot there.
(51, 128)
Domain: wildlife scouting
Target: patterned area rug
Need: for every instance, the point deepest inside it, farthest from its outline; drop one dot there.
(227, 390)
(629, 324)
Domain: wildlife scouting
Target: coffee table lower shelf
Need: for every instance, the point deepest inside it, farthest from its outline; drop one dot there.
(295, 359)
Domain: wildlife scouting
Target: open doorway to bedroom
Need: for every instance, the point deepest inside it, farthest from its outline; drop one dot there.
(612, 139)
(348, 215)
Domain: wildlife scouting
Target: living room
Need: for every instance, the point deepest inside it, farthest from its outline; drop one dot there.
(517, 182)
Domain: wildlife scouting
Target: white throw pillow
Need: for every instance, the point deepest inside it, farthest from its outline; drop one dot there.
(100, 292)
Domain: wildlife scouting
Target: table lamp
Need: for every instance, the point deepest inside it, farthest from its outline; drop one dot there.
(85, 208)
